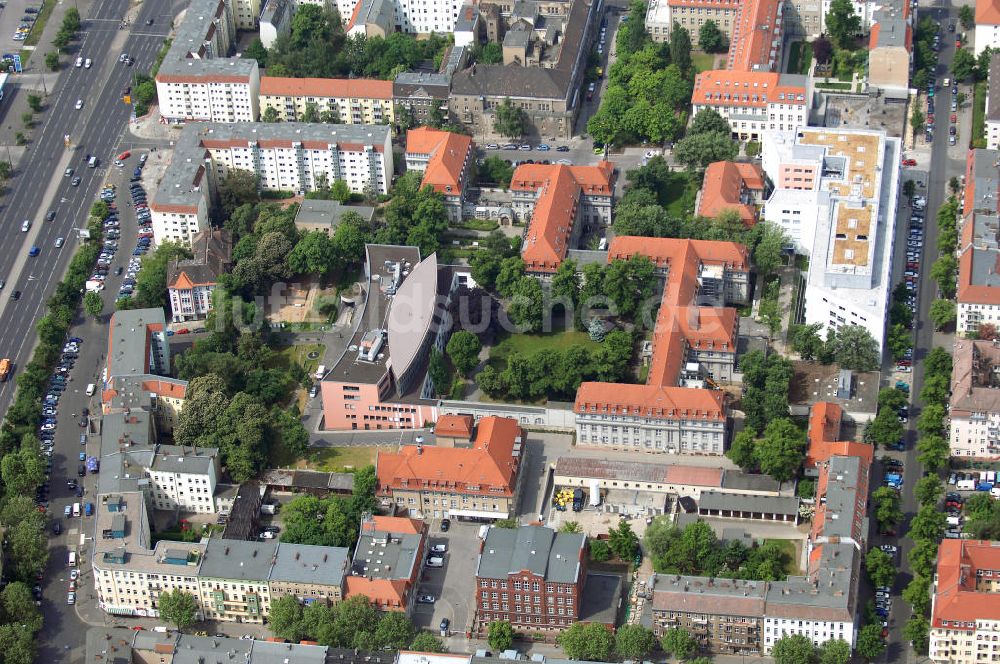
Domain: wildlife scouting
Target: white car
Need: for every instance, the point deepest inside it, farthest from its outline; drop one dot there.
(59, 242)
(25, 225)
(79, 62)
(79, 104)
(87, 63)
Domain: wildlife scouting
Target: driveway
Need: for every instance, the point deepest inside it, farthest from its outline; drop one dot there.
(454, 584)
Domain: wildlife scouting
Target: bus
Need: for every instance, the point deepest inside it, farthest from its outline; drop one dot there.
(3, 84)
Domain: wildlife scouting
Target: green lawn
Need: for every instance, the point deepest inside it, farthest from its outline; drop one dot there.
(339, 459)
(680, 194)
(703, 61)
(793, 58)
(979, 113)
(792, 568)
(299, 355)
(41, 19)
(529, 344)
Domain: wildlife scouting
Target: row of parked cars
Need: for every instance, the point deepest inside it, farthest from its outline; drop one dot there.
(26, 25)
(911, 275)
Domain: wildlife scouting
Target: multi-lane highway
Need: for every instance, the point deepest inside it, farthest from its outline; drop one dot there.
(39, 185)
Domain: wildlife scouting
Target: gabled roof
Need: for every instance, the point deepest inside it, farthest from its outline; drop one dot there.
(359, 88)
(987, 12)
(448, 152)
(454, 426)
(723, 187)
(488, 467)
(956, 601)
(724, 87)
(211, 256)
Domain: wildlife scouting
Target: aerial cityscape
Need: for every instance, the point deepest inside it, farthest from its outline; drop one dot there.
(459, 331)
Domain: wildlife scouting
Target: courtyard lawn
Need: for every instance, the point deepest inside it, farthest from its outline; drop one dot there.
(681, 192)
(299, 355)
(333, 459)
(529, 344)
(703, 61)
(979, 116)
(791, 548)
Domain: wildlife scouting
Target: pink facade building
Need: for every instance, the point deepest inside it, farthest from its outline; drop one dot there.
(380, 381)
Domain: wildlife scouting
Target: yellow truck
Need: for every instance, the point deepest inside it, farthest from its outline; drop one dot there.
(4, 369)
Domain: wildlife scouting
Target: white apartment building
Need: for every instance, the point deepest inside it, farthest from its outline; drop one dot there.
(383, 17)
(283, 156)
(192, 281)
(197, 81)
(183, 479)
(835, 194)
(975, 400)
(987, 25)
(753, 102)
(349, 100)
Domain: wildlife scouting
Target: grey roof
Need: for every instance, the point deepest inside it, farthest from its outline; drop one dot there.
(192, 54)
(716, 500)
(182, 459)
(276, 12)
(111, 645)
(587, 256)
(374, 313)
(532, 82)
(740, 481)
(192, 649)
(380, 555)
(211, 255)
(974, 386)
(182, 180)
(892, 24)
(303, 563)
(239, 560)
(542, 551)
(985, 249)
(128, 339)
(319, 213)
(516, 39)
(266, 652)
(793, 80)
(468, 16)
(993, 99)
(410, 323)
(421, 84)
(601, 598)
(309, 479)
(131, 393)
(985, 180)
(843, 483)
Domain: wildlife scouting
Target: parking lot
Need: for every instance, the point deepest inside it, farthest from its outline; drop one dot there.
(451, 585)
(11, 15)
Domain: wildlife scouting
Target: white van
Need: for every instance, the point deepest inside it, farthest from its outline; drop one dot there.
(76, 509)
(92, 162)
(995, 492)
(320, 372)
(435, 561)
(91, 388)
(966, 485)
(72, 558)
(954, 520)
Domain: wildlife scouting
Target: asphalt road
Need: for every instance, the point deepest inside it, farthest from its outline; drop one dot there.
(945, 162)
(39, 185)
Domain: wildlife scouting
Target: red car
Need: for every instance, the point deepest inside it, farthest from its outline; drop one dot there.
(958, 43)
(953, 118)
(183, 330)
(909, 162)
(124, 155)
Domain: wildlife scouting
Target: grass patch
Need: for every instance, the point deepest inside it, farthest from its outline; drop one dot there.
(529, 344)
(793, 58)
(703, 61)
(341, 459)
(681, 192)
(979, 113)
(792, 551)
(477, 225)
(35, 36)
(159, 57)
(193, 534)
(835, 86)
(285, 357)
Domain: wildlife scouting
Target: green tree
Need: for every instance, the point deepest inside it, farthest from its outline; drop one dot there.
(340, 190)
(151, 281)
(525, 309)
(806, 341)
(35, 103)
(794, 649)
(678, 642)
(18, 643)
(634, 642)
(967, 16)
(932, 420)
(918, 595)
(891, 398)
(178, 608)
(270, 114)
(917, 632)
(599, 551)
(881, 568)
(630, 283)
(699, 150)
(708, 120)
(566, 283)
(495, 170)
(870, 644)
(314, 253)
(623, 541)
(425, 641)
(781, 450)
(239, 187)
(938, 361)
(768, 255)
(500, 635)
(570, 527)
(743, 450)
(933, 451)
(52, 60)
(887, 507)
(885, 429)
(93, 304)
(592, 642)
(963, 64)
(909, 188)
(680, 47)
(285, 618)
(917, 122)
(928, 524)
(509, 121)
(711, 39)
(855, 349)
(842, 23)
(928, 490)
(463, 349)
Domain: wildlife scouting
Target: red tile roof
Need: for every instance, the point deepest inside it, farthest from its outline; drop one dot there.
(340, 88)
(722, 188)
(968, 292)
(679, 325)
(454, 426)
(756, 41)
(489, 464)
(449, 154)
(385, 594)
(393, 524)
(723, 87)
(957, 601)
(987, 12)
(552, 220)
